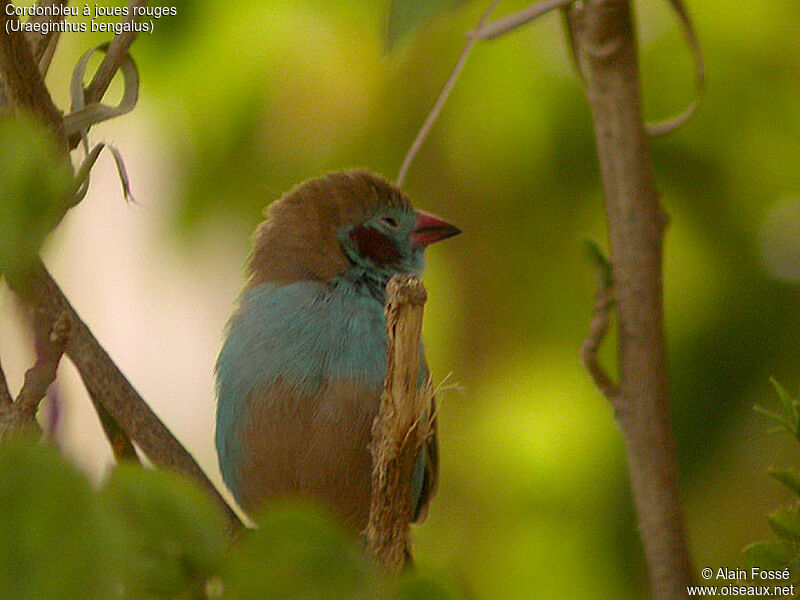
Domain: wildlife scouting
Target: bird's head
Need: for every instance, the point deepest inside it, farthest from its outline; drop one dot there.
(354, 225)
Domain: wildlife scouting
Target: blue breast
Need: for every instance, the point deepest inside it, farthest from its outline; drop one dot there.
(302, 333)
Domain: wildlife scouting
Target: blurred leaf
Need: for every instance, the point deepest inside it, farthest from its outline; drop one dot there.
(769, 555)
(789, 407)
(405, 15)
(788, 477)
(786, 523)
(298, 553)
(34, 189)
(58, 543)
(777, 417)
(177, 534)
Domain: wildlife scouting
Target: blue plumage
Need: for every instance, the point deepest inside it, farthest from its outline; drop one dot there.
(301, 371)
(302, 333)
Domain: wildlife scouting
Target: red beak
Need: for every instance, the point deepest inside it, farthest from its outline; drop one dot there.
(430, 229)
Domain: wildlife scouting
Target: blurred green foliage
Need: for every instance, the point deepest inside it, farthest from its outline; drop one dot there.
(784, 552)
(58, 539)
(242, 100)
(35, 189)
(299, 554)
(176, 537)
(152, 535)
(405, 15)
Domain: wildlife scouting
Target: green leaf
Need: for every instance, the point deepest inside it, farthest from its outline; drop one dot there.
(35, 189)
(769, 555)
(777, 417)
(58, 541)
(297, 553)
(405, 15)
(177, 534)
(789, 407)
(788, 477)
(786, 523)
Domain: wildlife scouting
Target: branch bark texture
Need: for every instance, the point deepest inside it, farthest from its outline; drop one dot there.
(15, 416)
(604, 37)
(401, 426)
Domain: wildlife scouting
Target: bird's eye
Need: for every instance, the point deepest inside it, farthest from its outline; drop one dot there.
(390, 222)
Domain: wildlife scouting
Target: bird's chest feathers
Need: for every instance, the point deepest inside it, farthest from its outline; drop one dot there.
(303, 335)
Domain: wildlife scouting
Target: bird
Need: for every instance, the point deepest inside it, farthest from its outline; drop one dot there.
(300, 373)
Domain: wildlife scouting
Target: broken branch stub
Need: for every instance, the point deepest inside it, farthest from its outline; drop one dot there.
(401, 426)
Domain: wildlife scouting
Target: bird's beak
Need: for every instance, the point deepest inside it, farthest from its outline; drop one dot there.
(429, 229)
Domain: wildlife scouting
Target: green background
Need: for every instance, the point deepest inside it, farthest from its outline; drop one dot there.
(247, 98)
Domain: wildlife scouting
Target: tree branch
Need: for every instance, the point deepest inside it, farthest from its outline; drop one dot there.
(120, 443)
(29, 78)
(24, 85)
(110, 389)
(39, 377)
(106, 384)
(401, 426)
(604, 36)
(21, 414)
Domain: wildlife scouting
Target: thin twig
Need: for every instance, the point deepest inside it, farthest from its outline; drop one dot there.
(113, 58)
(120, 443)
(20, 415)
(115, 55)
(604, 302)
(517, 19)
(43, 45)
(48, 53)
(437, 107)
(39, 377)
(673, 123)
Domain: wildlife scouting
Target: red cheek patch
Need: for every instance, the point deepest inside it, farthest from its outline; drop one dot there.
(375, 246)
